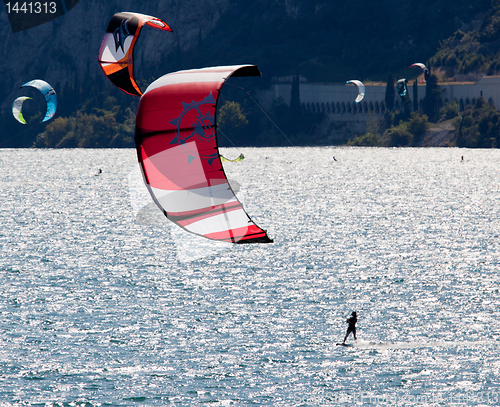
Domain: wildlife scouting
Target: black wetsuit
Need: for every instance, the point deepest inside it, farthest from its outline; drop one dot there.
(352, 327)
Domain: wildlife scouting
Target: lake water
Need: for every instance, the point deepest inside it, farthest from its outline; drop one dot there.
(105, 303)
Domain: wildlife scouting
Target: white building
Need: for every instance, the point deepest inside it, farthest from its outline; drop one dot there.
(466, 93)
(337, 100)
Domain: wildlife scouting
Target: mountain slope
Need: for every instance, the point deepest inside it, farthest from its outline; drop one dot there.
(323, 40)
(474, 50)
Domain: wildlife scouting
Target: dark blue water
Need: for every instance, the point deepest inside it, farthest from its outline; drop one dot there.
(104, 303)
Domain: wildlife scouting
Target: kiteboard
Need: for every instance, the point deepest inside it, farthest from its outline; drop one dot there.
(345, 344)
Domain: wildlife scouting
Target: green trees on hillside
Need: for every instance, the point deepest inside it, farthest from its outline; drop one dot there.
(474, 51)
(402, 134)
(231, 116)
(407, 133)
(479, 126)
(99, 128)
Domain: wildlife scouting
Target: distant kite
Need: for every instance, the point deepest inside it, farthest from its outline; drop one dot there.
(237, 159)
(48, 93)
(361, 90)
(17, 108)
(403, 90)
(424, 69)
(116, 55)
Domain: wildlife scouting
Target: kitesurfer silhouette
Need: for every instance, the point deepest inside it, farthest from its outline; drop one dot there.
(352, 326)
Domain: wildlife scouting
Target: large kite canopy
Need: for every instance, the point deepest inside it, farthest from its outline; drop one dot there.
(116, 55)
(361, 90)
(178, 153)
(48, 93)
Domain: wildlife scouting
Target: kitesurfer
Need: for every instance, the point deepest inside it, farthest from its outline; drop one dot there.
(352, 326)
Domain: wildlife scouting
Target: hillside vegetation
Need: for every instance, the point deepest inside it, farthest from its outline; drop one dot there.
(473, 50)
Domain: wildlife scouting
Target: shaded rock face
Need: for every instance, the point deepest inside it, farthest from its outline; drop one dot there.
(59, 50)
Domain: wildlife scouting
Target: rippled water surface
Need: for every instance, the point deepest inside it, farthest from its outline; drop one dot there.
(104, 303)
